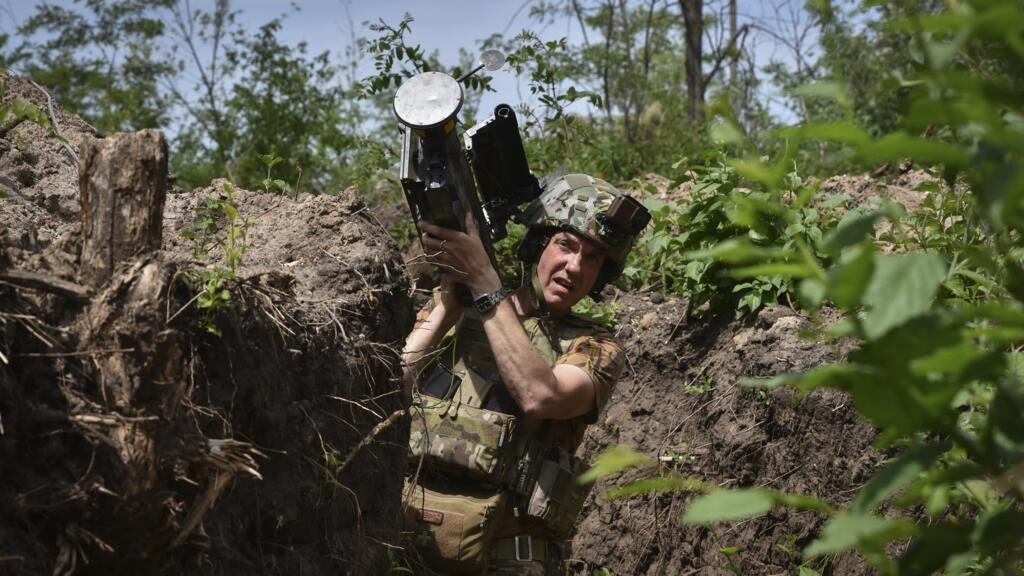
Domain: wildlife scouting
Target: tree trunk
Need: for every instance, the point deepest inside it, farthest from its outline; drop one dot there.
(693, 20)
(123, 182)
(732, 34)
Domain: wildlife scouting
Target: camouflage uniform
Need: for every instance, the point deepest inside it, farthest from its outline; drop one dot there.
(573, 340)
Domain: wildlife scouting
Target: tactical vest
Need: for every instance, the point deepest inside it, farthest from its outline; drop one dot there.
(471, 428)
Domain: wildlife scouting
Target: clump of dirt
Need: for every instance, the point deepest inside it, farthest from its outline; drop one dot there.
(659, 188)
(679, 402)
(143, 435)
(863, 189)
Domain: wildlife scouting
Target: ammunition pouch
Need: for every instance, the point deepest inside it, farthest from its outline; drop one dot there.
(547, 490)
(453, 529)
(463, 440)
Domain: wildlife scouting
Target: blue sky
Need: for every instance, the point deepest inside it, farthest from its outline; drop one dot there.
(444, 26)
(448, 25)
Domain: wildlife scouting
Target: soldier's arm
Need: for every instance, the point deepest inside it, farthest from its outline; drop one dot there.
(542, 392)
(426, 334)
(559, 393)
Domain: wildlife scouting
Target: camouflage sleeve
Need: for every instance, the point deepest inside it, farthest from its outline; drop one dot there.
(603, 359)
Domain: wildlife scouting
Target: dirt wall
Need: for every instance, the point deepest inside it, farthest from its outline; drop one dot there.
(679, 402)
(142, 435)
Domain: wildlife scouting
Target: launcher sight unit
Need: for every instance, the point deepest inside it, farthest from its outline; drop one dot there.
(443, 180)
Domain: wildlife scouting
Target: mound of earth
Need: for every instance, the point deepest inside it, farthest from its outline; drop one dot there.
(141, 434)
(679, 402)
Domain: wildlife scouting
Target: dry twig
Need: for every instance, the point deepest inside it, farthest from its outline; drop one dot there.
(75, 353)
(228, 458)
(380, 427)
(56, 127)
(35, 281)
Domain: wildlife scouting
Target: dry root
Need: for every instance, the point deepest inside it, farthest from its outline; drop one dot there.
(227, 458)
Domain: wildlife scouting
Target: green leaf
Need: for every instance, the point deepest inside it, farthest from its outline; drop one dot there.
(725, 505)
(738, 251)
(1006, 424)
(844, 132)
(998, 529)
(803, 502)
(812, 292)
(901, 288)
(897, 474)
(671, 483)
(834, 90)
(852, 230)
(784, 269)
(948, 359)
(847, 531)
(827, 376)
(850, 278)
(898, 146)
(613, 460)
(888, 393)
(930, 552)
(757, 172)
(725, 132)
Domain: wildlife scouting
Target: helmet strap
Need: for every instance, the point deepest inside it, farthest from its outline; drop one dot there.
(536, 291)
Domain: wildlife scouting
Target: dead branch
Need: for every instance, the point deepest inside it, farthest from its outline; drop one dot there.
(109, 419)
(228, 458)
(44, 283)
(354, 403)
(56, 127)
(233, 456)
(75, 353)
(71, 548)
(730, 48)
(220, 482)
(380, 427)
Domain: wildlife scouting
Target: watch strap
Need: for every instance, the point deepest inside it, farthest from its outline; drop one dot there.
(485, 302)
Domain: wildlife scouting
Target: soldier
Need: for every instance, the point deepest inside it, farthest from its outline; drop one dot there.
(507, 387)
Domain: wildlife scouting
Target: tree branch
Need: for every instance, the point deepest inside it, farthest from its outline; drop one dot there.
(730, 48)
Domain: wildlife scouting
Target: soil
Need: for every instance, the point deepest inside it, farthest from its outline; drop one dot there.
(863, 189)
(680, 403)
(137, 441)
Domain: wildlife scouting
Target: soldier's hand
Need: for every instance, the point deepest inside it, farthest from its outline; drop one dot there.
(461, 255)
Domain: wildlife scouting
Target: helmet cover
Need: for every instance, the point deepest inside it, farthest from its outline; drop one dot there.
(578, 202)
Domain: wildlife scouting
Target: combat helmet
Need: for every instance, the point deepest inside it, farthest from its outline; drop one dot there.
(592, 208)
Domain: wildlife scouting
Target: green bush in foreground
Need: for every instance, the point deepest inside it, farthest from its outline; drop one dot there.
(940, 321)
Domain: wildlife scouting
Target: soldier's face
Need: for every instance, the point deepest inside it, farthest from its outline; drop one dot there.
(567, 270)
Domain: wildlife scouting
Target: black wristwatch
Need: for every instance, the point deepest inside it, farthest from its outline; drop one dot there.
(486, 302)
